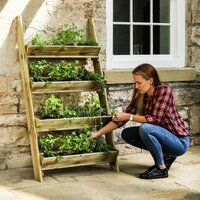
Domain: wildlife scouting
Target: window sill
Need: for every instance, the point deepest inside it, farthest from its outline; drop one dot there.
(166, 75)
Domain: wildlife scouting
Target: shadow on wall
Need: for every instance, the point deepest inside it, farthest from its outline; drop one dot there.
(30, 11)
(9, 10)
(2, 4)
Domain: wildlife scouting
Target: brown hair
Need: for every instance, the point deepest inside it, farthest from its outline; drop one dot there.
(147, 71)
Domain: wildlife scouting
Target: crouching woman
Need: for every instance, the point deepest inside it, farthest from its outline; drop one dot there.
(162, 131)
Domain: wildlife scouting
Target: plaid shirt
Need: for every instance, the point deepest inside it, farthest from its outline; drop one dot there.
(160, 109)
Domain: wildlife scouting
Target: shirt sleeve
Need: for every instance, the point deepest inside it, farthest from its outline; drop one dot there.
(163, 99)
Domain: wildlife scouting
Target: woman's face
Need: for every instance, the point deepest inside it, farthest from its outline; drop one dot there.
(143, 85)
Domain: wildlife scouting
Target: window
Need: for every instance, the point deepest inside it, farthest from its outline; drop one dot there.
(150, 31)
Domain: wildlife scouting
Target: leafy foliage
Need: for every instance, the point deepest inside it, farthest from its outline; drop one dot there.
(43, 70)
(68, 34)
(38, 40)
(76, 142)
(54, 107)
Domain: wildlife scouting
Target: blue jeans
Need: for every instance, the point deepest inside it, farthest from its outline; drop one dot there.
(157, 140)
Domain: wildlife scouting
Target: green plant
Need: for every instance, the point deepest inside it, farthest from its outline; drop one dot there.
(76, 142)
(49, 145)
(68, 34)
(84, 42)
(43, 70)
(54, 107)
(38, 70)
(38, 40)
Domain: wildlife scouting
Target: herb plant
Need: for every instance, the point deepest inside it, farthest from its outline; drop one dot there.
(68, 34)
(76, 142)
(43, 70)
(54, 107)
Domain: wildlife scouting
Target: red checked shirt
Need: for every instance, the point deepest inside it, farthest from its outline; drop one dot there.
(160, 109)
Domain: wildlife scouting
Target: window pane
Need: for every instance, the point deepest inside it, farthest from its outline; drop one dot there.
(161, 40)
(161, 13)
(141, 10)
(121, 40)
(121, 10)
(141, 39)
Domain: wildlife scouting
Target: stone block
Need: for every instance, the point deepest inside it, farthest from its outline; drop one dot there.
(119, 97)
(2, 164)
(195, 16)
(13, 120)
(9, 104)
(100, 10)
(195, 35)
(195, 140)
(8, 109)
(184, 113)
(194, 54)
(3, 87)
(186, 96)
(101, 35)
(14, 136)
(195, 119)
(22, 109)
(16, 85)
(18, 161)
(88, 8)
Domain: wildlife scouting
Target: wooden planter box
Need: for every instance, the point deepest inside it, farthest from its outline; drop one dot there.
(56, 51)
(43, 125)
(79, 160)
(64, 86)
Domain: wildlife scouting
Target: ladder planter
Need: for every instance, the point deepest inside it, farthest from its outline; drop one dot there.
(37, 126)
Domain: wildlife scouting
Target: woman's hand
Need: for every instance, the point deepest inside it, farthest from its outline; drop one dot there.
(121, 116)
(94, 135)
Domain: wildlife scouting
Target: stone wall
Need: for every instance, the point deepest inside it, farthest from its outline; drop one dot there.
(46, 16)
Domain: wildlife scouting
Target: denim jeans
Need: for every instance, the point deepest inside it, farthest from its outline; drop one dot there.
(157, 140)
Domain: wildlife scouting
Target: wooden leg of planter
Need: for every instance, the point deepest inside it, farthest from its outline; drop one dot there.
(114, 166)
(109, 139)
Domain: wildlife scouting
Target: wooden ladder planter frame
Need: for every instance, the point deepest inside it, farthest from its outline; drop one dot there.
(36, 126)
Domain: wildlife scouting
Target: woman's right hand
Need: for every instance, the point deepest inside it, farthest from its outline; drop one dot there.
(94, 135)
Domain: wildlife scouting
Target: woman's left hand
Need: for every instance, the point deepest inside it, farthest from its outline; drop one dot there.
(121, 116)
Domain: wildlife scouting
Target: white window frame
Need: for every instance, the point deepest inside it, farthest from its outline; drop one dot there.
(177, 42)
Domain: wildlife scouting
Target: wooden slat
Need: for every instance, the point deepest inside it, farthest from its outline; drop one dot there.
(58, 51)
(91, 34)
(102, 94)
(28, 101)
(79, 160)
(64, 86)
(43, 125)
(56, 57)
